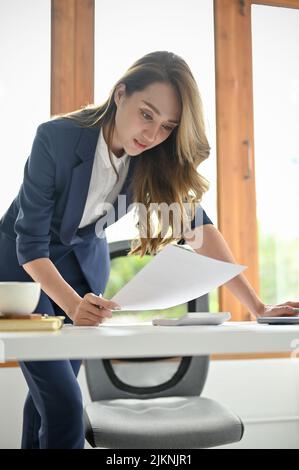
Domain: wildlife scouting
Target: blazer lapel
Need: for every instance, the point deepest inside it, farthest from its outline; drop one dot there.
(79, 185)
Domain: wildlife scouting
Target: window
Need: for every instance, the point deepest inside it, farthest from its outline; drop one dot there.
(275, 35)
(25, 40)
(125, 31)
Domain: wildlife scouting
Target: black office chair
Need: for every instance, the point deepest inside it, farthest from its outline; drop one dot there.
(155, 403)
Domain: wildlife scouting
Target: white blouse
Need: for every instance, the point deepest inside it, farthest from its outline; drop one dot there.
(103, 187)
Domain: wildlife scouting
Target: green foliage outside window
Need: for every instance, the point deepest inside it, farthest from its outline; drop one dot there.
(278, 268)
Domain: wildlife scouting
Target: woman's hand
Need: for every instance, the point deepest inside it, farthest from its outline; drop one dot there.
(279, 310)
(93, 310)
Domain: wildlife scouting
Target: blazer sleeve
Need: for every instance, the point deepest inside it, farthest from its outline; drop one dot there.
(36, 199)
(200, 218)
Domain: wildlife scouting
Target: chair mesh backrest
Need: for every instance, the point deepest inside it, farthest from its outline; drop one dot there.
(104, 383)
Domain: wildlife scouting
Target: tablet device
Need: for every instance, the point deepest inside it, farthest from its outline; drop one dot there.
(194, 318)
(279, 320)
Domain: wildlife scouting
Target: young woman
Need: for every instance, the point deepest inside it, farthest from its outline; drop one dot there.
(145, 144)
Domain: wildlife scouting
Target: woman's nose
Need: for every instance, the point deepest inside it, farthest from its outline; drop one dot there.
(151, 134)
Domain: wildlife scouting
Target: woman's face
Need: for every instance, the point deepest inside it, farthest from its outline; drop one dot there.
(144, 119)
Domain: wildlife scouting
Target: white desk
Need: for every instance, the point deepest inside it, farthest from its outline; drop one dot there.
(119, 341)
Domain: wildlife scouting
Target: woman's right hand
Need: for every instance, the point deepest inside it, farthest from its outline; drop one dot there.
(93, 310)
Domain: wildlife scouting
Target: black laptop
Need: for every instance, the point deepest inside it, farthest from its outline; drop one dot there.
(279, 320)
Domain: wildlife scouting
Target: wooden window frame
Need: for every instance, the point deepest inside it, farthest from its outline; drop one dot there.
(236, 191)
(72, 54)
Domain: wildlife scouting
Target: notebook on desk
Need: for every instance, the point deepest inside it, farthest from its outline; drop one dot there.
(33, 323)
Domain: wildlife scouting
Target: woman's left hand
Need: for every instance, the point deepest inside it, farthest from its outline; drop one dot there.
(279, 310)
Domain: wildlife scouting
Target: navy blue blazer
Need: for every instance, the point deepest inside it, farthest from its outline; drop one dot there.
(43, 219)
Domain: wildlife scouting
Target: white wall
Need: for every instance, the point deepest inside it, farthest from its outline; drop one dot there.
(264, 393)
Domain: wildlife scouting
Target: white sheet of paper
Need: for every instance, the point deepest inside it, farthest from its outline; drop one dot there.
(174, 276)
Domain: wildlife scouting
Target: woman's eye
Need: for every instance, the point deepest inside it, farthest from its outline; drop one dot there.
(146, 116)
(168, 129)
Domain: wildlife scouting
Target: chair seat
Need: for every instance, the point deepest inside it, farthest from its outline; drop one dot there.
(164, 422)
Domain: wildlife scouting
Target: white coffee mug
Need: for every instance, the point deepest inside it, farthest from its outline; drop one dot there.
(19, 297)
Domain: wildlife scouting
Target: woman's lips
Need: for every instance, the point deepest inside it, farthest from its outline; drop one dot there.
(139, 145)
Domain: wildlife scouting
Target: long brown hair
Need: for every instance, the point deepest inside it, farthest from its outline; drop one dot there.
(168, 172)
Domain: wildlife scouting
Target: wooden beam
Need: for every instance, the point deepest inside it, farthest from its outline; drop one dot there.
(72, 54)
(278, 3)
(250, 356)
(8, 364)
(235, 159)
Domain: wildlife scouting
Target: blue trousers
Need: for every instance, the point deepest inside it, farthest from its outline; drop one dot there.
(53, 411)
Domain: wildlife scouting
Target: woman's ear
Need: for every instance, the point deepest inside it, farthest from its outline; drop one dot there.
(119, 93)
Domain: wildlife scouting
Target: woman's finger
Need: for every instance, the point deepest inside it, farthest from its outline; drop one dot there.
(292, 304)
(101, 313)
(85, 320)
(101, 302)
(89, 319)
(95, 309)
(283, 310)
